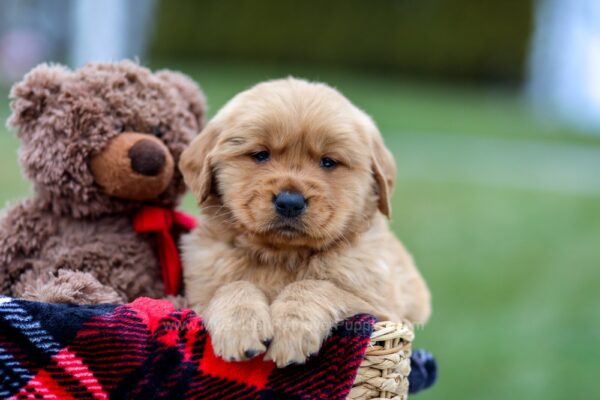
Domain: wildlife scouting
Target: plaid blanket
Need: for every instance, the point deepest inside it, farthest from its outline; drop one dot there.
(149, 350)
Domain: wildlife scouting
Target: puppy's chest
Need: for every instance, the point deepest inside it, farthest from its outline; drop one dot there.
(271, 278)
(345, 269)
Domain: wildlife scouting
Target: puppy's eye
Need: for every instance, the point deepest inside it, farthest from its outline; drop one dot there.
(328, 163)
(260, 156)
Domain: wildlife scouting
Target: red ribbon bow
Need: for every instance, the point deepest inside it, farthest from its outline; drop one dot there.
(160, 221)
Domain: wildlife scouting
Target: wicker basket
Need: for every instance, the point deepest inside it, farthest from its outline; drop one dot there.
(383, 374)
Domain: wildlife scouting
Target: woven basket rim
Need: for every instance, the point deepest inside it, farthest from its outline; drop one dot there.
(383, 374)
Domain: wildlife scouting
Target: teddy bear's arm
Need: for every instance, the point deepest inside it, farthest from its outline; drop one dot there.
(113, 254)
(65, 286)
(24, 228)
(103, 265)
(87, 267)
(27, 271)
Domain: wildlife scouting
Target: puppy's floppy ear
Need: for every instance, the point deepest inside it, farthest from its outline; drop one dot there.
(196, 163)
(384, 170)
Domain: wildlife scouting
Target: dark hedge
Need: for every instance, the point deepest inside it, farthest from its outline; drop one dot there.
(475, 39)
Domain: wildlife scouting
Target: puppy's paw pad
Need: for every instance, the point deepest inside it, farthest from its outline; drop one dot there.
(251, 353)
(283, 356)
(232, 348)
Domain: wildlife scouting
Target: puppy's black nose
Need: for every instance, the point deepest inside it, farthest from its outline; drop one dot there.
(289, 204)
(147, 158)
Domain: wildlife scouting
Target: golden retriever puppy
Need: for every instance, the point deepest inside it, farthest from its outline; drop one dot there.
(294, 184)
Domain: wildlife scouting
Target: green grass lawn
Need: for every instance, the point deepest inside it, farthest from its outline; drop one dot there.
(513, 270)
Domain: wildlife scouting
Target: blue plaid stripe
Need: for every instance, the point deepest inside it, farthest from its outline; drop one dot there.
(17, 317)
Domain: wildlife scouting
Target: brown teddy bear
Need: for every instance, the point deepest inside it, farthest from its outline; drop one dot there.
(101, 145)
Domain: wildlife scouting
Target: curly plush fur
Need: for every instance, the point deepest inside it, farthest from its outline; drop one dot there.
(72, 242)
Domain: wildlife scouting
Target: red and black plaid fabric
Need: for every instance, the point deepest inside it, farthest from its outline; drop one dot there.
(148, 350)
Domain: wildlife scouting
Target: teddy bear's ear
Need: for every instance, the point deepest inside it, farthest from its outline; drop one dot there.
(189, 91)
(29, 97)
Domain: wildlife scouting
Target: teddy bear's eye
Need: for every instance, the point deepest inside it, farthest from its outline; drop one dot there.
(120, 127)
(158, 131)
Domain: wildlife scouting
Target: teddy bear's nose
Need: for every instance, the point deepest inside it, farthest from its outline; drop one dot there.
(147, 157)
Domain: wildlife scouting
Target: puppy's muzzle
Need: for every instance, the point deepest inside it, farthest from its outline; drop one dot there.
(289, 204)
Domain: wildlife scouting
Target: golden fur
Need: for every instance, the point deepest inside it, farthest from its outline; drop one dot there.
(263, 283)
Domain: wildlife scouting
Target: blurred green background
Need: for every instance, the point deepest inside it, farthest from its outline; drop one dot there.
(500, 209)
(423, 37)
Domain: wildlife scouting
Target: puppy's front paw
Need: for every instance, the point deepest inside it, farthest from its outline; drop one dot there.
(295, 339)
(242, 332)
